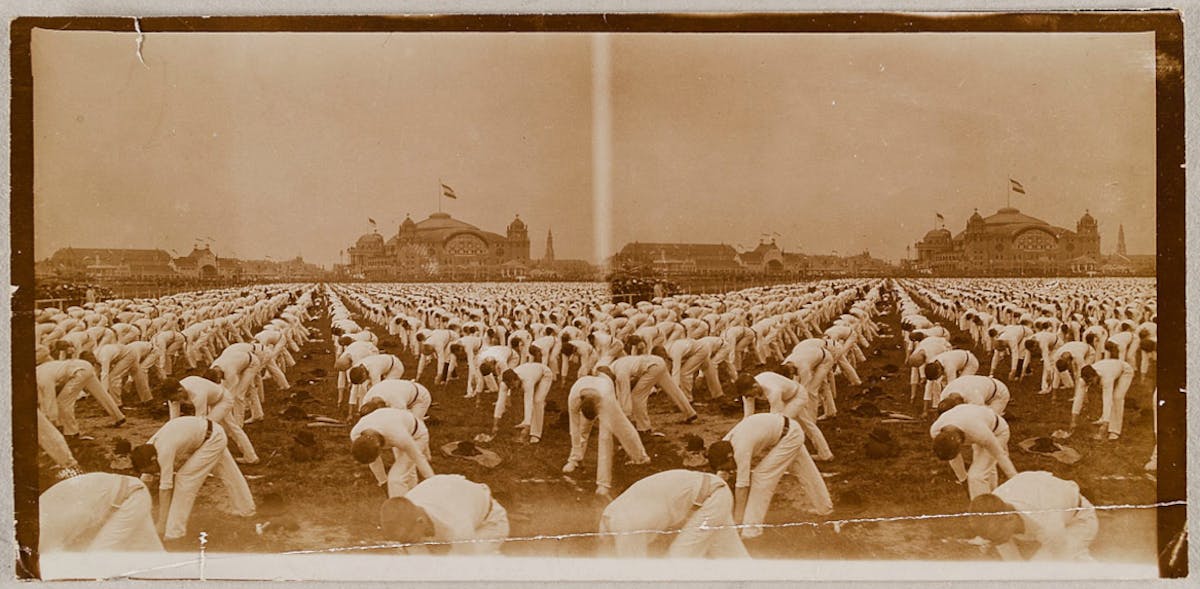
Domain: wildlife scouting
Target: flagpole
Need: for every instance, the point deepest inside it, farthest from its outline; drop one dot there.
(439, 194)
(1008, 195)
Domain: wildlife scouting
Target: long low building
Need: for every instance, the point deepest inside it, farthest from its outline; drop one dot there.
(766, 259)
(126, 264)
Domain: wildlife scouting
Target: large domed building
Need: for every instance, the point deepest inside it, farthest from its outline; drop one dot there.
(1011, 243)
(438, 246)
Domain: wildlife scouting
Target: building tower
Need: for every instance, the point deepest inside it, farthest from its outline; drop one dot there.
(1088, 232)
(1121, 240)
(549, 256)
(518, 240)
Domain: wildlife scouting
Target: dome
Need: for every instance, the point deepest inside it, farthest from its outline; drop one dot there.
(975, 218)
(1087, 219)
(938, 235)
(439, 221)
(370, 241)
(408, 223)
(517, 224)
(1010, 215)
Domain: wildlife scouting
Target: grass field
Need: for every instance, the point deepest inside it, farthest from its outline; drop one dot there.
(333, 501)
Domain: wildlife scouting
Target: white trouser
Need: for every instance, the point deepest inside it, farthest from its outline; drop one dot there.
(787, 456)
(212, 456)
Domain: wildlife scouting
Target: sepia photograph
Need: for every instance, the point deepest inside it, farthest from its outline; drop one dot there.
(362, 298)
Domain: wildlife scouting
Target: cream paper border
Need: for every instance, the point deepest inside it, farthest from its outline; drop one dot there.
(521, 572)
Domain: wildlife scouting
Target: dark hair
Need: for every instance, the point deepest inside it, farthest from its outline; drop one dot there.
(1031, 345)
(358, 374)
(916, 336)
(1149, 344)
(587, 406)
(365, 448)
(372, 405)
(720, 454)
(1088, 373)
(167, 388)
(744, 384)
(346, 340)
(933, 370)
(607, 371)
(1062, 364)
(991, 519)
(951, 401)
(143, 458)
(214, 374)
(947, 444)
(401, 520)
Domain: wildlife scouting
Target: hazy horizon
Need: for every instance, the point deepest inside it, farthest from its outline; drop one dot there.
(836, 142)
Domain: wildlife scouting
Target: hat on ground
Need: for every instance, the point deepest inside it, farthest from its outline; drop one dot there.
(294, 412)
(693, 443)
(469, 451)
(1047, 446)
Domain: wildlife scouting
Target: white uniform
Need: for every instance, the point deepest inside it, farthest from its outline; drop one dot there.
(536, 378)
(409, 440)
(613, 422)
(765, 446)
(987, 433)
(696, 507)
(977, 389)
(401, 394)
(788, 397)
(1055, 514)
(463, 513)
(1115, 378)
(189, 448)
(97, 512)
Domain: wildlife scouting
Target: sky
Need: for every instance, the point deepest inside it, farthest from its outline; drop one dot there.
(285, 144)
(856, 142)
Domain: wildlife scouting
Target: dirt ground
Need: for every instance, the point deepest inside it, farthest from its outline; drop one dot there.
(333, 502)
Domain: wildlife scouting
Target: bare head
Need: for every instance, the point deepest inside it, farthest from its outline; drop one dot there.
(993, 519)
(948, 443)
(366, 447)
(720, 456)
(403, 521)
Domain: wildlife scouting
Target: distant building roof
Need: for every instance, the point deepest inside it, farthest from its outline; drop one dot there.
(109, 256)
(437, 227)
(678, 250)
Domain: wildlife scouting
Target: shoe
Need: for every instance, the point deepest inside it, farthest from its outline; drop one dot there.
(244, 460)
(118, 423)
(692, 418)
(570, 467)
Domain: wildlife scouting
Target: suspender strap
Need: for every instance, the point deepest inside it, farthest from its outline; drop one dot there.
(991, 395)
(996, 423)
(786, 426)
(208, 429)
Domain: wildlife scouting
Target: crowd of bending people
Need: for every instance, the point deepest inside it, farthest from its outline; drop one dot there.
(787, 349)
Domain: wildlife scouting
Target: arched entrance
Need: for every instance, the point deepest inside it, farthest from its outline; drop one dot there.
(208, 271)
